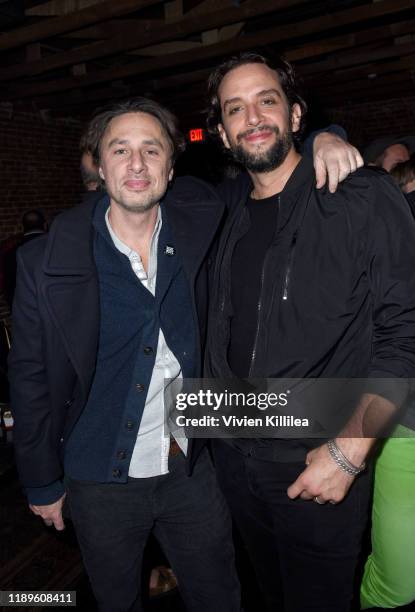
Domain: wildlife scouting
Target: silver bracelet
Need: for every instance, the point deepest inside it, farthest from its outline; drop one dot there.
(342, 461)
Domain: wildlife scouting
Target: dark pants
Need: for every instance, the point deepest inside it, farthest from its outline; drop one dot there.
(188, 516)
(304, 554)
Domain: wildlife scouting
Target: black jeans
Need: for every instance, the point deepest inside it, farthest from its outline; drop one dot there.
(188, 516)
(304, 554)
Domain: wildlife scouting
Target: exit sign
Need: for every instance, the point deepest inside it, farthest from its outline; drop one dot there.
(197, 135)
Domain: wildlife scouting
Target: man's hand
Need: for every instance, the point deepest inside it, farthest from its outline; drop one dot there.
(51, 514)
(322, 478)
(334, 158)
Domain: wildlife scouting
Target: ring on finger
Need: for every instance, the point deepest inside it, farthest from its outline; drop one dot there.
(318, 501)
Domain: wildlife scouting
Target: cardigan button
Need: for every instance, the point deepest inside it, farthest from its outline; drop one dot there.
(116, 473)
(148, 350)
(121, 454)
(129, 425)
(139, 387)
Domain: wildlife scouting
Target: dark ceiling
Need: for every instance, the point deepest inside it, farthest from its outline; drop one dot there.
(70, 56)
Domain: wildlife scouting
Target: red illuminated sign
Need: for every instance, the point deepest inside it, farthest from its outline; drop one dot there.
(196, 135)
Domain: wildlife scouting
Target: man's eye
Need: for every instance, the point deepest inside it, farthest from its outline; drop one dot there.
(152, 152)
(120, 151)
(268, 101)
(234, 109)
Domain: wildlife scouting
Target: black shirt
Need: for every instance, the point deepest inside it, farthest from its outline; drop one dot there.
(247, 261)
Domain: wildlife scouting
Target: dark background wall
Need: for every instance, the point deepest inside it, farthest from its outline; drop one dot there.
(367, 121)
(39, 165)
(39, 156)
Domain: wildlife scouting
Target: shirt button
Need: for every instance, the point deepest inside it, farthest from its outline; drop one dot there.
(129, 425)
(139, 387)
(148, 350)
(121, 454)
(116, 473)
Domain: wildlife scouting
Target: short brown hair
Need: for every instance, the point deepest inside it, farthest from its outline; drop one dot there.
(404, 172)
(92, 137)
(286, 76)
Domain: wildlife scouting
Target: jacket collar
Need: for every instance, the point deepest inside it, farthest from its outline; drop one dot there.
(69, 249)
(193, 210)
(301, 174)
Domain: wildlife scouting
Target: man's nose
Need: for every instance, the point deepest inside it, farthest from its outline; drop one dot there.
(136, 161)
(253, 115)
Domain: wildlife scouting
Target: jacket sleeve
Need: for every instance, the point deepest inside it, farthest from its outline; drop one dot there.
(391, 264)
(337, 130)
(37, 460)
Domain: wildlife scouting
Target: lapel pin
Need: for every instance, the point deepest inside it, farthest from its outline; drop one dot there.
(169, 250)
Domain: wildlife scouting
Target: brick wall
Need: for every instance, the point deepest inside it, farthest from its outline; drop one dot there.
(39, 165)
(370, 120)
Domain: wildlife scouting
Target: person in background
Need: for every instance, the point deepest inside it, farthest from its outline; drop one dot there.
(34, 225)
(389, 575)
(388, 151)
(404, 175)
(89, 172)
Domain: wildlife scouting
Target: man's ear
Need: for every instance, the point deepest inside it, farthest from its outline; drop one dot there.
(295, 117)
(101, 173)
(223, 135)
(171, 174)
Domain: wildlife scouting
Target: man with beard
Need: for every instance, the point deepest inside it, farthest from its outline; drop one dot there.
(308, 284)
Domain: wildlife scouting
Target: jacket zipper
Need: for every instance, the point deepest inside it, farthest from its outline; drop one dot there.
(288, 268)
(287, 275)
(259, 306)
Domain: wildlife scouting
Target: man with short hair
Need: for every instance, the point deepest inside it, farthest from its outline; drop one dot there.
(89, 172)
(389, 151)
(309, 284)
(107, 307)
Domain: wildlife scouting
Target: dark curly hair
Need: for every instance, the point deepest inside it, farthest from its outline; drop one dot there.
(286, 76)
(92, 137)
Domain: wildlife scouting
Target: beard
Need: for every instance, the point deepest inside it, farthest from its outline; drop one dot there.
(264, 161)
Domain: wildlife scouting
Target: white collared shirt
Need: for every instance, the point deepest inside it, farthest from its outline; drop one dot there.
(151, 451)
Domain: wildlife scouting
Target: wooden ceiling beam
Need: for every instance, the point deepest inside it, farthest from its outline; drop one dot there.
(384, 89)
(273, 35)
(115, 27)
(365, 69)
(167, 84)
(355, 85)
(355, 57)
(207, 6)
(128, 41)
(74, 21)
(376, 90)
(59, 7)
(101, 95)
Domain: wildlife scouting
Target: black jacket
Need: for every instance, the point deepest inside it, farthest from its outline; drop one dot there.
(338, 282)
(56, 322)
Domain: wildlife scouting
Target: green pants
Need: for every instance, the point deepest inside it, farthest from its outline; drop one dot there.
(389, 576)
